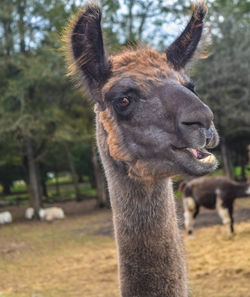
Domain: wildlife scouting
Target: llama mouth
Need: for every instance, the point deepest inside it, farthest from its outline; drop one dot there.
(201, 155)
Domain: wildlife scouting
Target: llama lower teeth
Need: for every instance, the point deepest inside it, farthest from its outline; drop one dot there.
(208, 159)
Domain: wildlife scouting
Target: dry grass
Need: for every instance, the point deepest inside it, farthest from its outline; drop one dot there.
(243, 202)
(219, 266)
(77, 257)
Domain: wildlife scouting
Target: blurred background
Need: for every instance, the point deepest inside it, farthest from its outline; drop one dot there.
(48, 153)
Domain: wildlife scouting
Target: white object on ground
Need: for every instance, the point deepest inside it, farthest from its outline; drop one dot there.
(5, 217)
(51, 213)
(29, 213)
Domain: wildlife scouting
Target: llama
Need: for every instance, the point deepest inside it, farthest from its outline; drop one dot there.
(5, 217)
(213, 193)
(150, 125)
(51, 213)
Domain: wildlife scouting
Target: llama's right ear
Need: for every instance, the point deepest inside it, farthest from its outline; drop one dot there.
(182, 49)
(84, 45)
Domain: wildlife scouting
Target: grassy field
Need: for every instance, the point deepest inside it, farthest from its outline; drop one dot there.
(19, 192)
(76, 257)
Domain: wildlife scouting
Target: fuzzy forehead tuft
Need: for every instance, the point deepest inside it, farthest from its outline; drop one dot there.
(139, 59)
(145, 66)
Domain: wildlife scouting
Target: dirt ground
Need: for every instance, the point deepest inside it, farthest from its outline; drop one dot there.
(76, 257)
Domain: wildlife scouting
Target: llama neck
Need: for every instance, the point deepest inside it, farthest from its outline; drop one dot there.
(150, 250)
(149, 244)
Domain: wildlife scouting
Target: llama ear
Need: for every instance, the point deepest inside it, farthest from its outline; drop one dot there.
(85, 48)
(183, 48)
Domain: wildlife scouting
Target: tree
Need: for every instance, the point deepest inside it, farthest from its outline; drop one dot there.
(224, 78)
(10, 163)
(33, 80)
(127, 22)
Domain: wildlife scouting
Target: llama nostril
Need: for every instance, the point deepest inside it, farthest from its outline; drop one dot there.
(193, 124)
(208, 140)
(209, 133)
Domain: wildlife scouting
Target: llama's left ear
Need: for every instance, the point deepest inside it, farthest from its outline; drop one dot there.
(85, 49)
(183, 48)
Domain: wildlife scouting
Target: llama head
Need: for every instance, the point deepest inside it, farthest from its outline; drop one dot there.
(153, 121)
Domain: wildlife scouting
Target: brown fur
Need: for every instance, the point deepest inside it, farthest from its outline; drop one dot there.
(145, 65)
(215, 192)
(116, 149)
(142, 145)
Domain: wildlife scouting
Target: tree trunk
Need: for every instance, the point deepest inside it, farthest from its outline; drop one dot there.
(143, 19)
(7, 29)
(21, 24)
(102, 193)
(73, 173)
(225, 157)
(130, 19)
(242, 167)
(6, 188)
(33, 179)
(248, 154)
(44, 189)
(42, 179)
(80, 178)
(39, 180)
(92, 179)
(57, 184)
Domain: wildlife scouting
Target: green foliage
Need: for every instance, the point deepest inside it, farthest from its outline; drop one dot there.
(37, 101)
(19, 191)
(223, 78)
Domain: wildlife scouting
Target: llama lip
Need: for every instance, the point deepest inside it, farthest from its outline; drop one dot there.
(199, 154)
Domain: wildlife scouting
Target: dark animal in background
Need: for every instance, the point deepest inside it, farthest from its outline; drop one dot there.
(213, 193)
(150, 125)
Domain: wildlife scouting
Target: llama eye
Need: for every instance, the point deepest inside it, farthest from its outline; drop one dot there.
(122, 103)
(191, 87)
